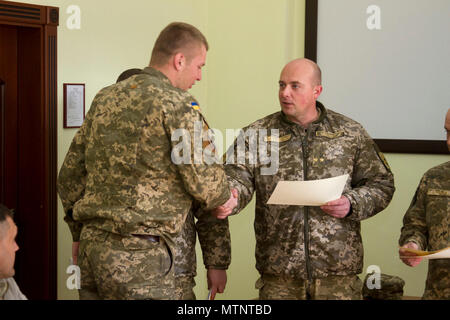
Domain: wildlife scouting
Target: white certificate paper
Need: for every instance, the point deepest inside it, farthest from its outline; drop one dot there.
(308, 193)
(438, 254)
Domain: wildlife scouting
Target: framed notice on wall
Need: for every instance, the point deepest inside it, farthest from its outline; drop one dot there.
(74, 105)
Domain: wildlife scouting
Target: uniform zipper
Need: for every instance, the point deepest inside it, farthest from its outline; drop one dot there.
(306, 213)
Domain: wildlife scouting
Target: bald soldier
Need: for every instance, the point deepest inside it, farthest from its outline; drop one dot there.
(426, 226)
(305, 252)
(125, 192)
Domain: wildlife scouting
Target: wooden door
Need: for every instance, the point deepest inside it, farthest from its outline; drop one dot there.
(28, 141)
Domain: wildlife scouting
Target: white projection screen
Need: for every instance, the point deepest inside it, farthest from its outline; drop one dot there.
(386, 64)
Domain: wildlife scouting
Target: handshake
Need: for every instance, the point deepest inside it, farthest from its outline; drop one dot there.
(226, 209)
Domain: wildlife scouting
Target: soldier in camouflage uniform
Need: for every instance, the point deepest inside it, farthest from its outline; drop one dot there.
(214, 239)
(124, 197)
(426, 226)
(9, 290)
(305, 252)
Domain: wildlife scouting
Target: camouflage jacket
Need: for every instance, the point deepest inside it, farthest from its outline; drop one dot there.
(427, 222)
(301, 241)
(214, 237)
(119, 174)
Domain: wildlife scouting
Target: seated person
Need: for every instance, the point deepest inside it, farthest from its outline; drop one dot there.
(8, 247)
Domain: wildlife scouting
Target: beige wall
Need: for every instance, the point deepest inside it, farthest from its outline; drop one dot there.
(114, 36)
(250, 42)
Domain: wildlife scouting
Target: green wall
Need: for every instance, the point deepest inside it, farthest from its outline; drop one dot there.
(250, 42)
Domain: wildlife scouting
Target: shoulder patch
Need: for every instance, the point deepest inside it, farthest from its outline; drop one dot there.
(381, 156)
(195, 105)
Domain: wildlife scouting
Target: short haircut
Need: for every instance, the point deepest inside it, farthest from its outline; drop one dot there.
(176, 37)
(128, 73)
(4, 213)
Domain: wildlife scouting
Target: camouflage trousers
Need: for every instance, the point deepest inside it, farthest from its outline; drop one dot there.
(184, 287)
(330, 288)
(438, 280)
(114, 267)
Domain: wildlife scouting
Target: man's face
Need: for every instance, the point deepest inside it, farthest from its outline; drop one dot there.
(298, 90)
(8, 248)
(192, 71)
(447, 128)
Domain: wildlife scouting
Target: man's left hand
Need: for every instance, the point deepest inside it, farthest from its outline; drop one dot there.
(337, 208)
(217, 280)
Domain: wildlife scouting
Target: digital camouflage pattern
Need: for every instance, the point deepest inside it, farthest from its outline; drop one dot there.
(118, 175)
(184, 287)
(330, 288)
(124, 267)
(304, 242)
(427, 222)
(391, 288)
(214, 237)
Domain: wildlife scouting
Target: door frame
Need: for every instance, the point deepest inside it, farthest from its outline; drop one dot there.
(47, 19)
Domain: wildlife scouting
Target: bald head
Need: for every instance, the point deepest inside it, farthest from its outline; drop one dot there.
(447, 128)
(299, 89)
(307, 66)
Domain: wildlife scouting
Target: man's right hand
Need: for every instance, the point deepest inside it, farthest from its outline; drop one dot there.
(404, 255)
(227, 208)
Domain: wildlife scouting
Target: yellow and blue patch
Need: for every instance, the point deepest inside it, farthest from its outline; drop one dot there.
(195, 105)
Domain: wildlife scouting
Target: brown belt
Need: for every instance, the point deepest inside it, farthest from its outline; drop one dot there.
(148, 237)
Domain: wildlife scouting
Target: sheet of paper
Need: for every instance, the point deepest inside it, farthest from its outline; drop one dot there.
(438, 254)
(308, 193)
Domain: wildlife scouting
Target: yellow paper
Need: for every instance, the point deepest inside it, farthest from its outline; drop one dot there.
(308, 193)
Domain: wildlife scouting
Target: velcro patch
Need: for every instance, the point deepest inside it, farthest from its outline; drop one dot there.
(331, 135)
(438, 192)
(195, 106)
(278, 139)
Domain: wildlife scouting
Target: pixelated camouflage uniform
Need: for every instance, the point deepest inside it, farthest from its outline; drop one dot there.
(303, 242)
(118, 180)
(427, 222)
(214, 237)
(391, 287)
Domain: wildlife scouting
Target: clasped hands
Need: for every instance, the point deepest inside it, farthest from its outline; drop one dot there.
(226, 209)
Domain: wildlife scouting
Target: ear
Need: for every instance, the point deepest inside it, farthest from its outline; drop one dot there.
(317, 91)
(179, 61)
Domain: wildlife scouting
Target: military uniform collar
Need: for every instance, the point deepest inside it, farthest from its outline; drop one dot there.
(320, 109)
(156, 73)
(3, 288)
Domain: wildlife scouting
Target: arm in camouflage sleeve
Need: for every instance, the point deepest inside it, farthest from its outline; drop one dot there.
(215, 241)
(206, 183)
(372, 181)
(72, 180)
(414, 222)
(240, 175)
